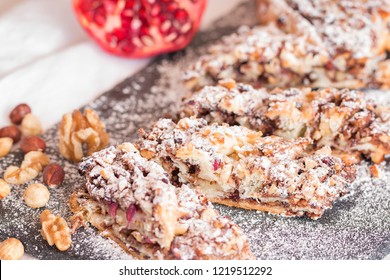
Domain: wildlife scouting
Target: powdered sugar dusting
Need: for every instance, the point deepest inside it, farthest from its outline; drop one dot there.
(357, 227)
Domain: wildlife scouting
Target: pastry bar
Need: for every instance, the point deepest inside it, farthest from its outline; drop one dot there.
(359, 28)
(131, 200)
(342, 119)
(311, 43)
(235, 166)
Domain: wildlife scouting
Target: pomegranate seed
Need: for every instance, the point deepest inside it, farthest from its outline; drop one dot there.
(99, 16)
(120, 33)
(147, 41)
(112, 209)
(112, 39)
(181, 15)
(165, 26)
(144, 30)
(136, 24)
(155, 10)
(148, 240)
(171, 37)
(125, 43)
(140, 28)
(130, 213)
(129, 4)
(216, 164)
(185, 28)
(172, 7)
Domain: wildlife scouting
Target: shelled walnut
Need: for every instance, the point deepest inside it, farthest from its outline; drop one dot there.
(81, 134)
(55, 230)
(4, 189)
(32, 165)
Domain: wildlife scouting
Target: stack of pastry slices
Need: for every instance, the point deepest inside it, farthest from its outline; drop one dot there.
(272, 121)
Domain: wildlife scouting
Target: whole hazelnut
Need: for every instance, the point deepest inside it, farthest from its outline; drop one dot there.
(31, 125)
(11, 132)
(53, 175)
(11, 249)
(36, 196)
(5, 146)
(19, 112)
(32, 143)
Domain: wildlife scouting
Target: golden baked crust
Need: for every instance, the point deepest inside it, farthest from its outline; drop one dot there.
(131, 200)
(341, 119)
(236, 166)
(311, 43)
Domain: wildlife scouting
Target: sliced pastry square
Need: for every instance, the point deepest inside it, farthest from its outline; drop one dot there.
(131, 200)
(343, 119)
(236, 166)
(315, 43)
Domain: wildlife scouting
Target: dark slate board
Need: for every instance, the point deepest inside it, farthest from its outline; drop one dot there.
(358, 227)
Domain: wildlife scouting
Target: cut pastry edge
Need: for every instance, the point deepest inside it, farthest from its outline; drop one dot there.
(262, 170)
(82, 207)
(276, 208)
(342, 119)
(195, 234)
(82, 217)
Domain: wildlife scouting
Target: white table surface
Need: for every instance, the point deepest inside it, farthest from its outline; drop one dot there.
(48, 61)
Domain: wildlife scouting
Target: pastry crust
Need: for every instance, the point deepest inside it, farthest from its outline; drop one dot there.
(311, 43)
(234, 165)
(131, 200)
(341, 119)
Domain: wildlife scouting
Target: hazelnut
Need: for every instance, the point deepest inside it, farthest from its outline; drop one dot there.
(19, 112)
(5, 146)
(11, 132)
(53, 175)
(4, 189)
(32, 143)
(31, 125)
(36, 196)
(11, 249)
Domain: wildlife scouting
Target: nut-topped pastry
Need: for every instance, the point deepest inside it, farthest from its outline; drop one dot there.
(234, 165)
(342, 119)
(310, 43)
(133, 201)
(355, 29)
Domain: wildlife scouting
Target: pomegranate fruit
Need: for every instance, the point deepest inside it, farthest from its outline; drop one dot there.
(140, 28)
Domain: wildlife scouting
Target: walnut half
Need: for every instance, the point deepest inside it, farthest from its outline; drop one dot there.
(55, 230)
(32, 165)
(81, 134)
